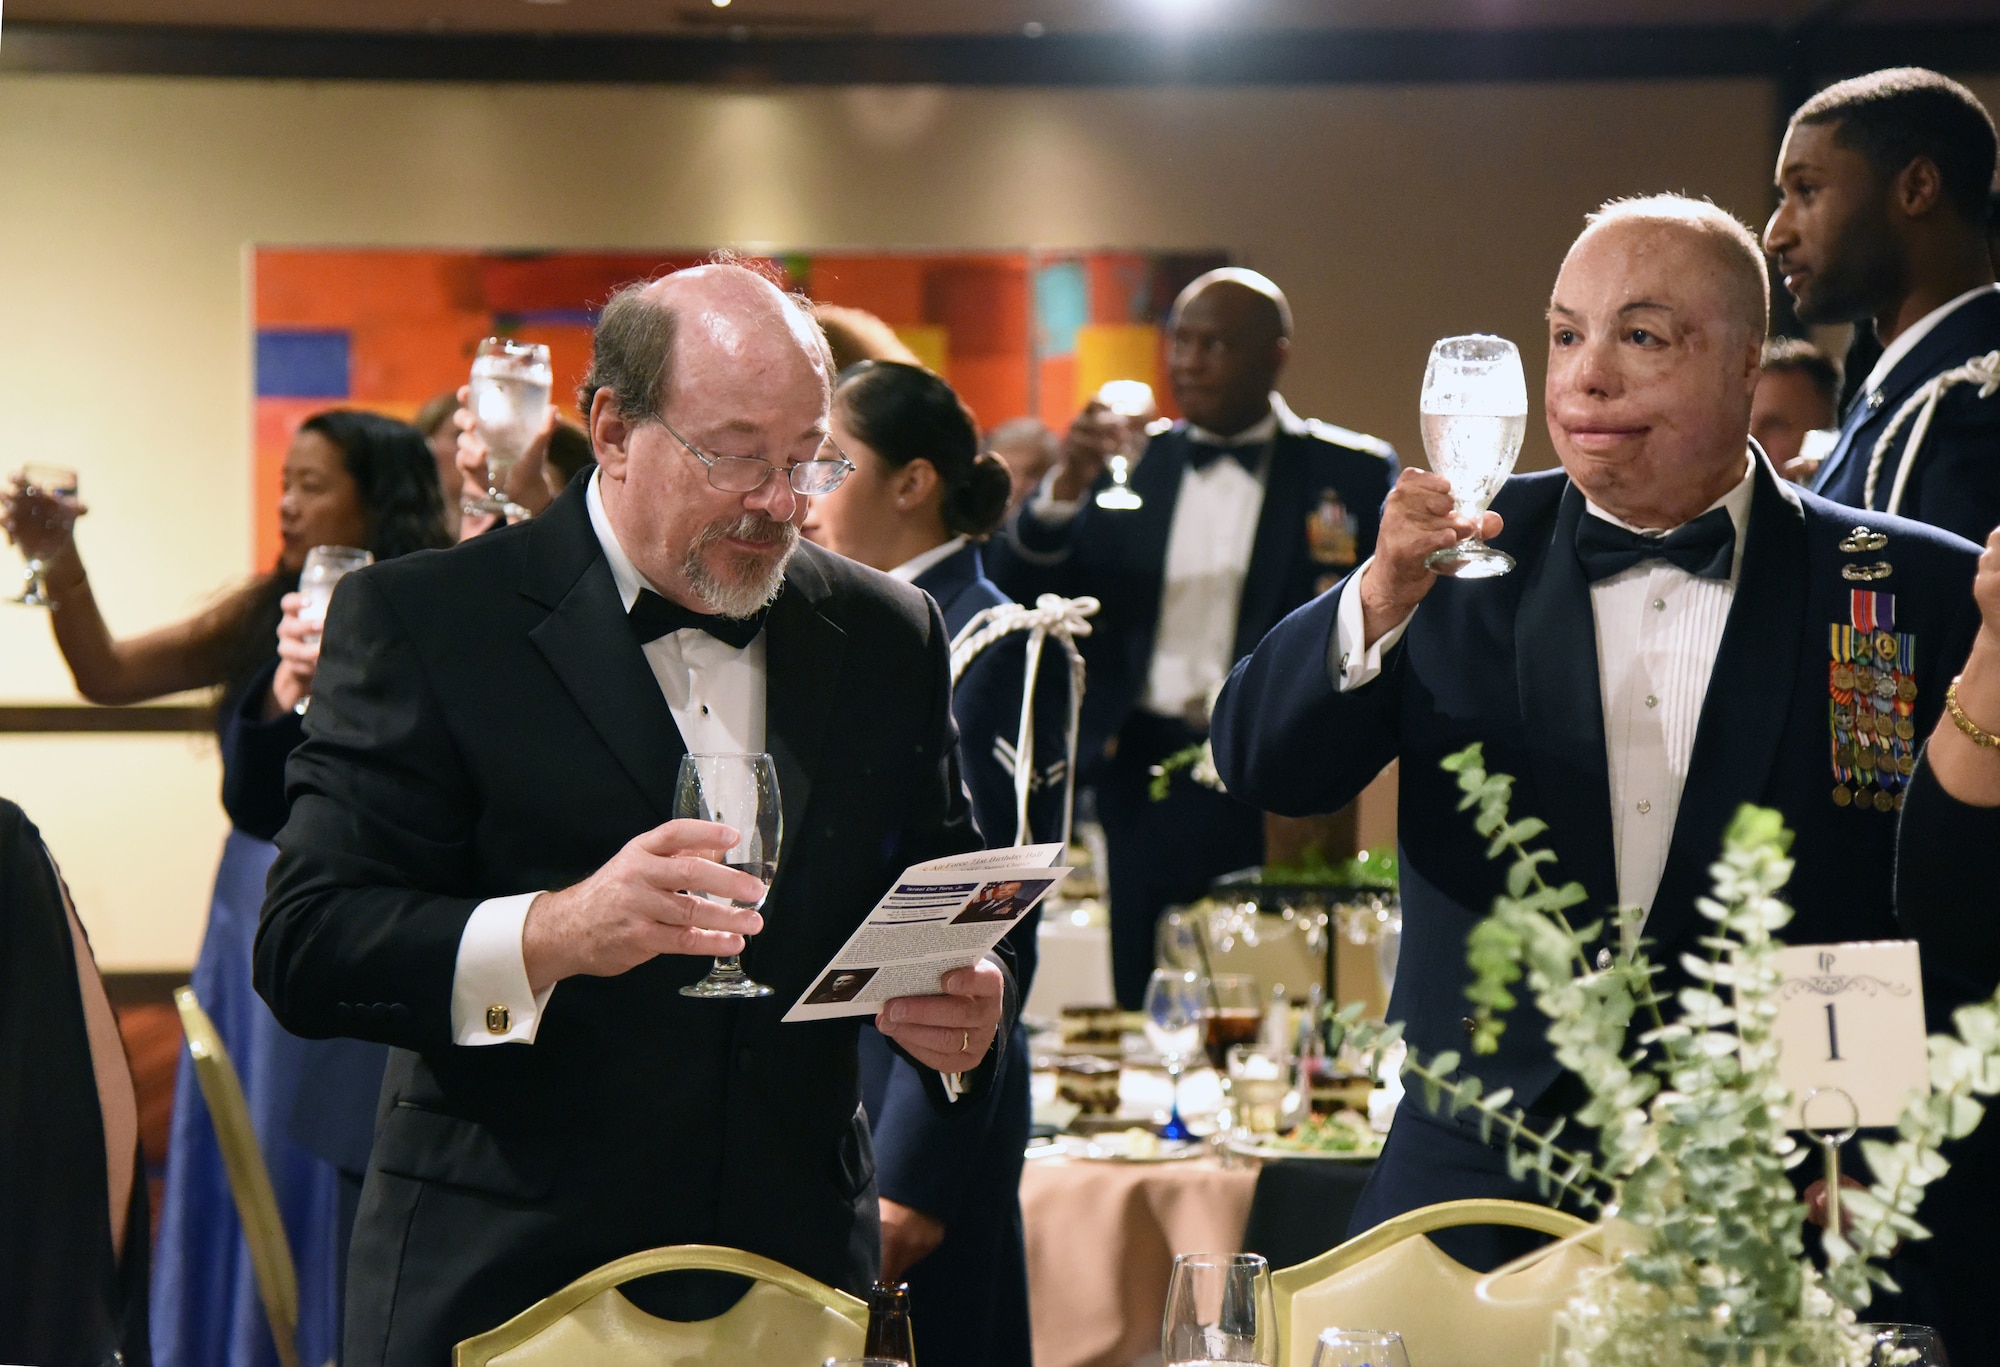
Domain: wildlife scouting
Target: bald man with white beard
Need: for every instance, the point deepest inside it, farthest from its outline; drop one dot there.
(1658, 656)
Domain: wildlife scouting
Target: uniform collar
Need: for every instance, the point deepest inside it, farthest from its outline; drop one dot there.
(1906, 341)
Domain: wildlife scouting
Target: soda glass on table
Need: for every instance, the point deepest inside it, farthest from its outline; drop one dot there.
(1219, 1310)
(739, 791)
(1475, 413)
(1233, 1014)
(510, 403)
(325, 566)
(46, 493)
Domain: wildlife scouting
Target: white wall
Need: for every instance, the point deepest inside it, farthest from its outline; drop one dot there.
(1392, 216)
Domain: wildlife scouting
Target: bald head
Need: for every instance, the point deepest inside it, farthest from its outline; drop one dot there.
(1230, 334)
(1734, 259)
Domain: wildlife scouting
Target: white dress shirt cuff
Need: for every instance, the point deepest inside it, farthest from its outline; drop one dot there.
(489, 985)
(1348, 661)
(1045, 507)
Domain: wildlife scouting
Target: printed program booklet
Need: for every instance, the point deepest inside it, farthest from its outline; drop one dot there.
(939, 916)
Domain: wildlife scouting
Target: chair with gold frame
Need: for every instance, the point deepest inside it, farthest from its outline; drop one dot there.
(785, 1318)
(1391, 1277)
(249, 1179)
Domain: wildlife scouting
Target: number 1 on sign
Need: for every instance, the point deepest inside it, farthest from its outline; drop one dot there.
(1832, 1035)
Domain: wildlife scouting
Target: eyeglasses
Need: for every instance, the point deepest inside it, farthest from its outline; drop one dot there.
(747, 474)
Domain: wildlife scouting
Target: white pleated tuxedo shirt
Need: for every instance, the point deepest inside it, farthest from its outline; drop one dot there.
(1658, 631)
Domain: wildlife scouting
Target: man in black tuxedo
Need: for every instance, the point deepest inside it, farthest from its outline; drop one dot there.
(1884, 185)
(1682, 632)
(1246, 512)
(510, 716)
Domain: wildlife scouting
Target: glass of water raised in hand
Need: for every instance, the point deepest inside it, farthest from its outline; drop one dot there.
(510, 403)
(325, 566)
(1475, 412)
(739, 791)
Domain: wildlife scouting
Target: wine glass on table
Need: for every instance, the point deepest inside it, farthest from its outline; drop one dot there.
(1220, 1310)
(510, 404)
(740, 791)
(1175, 999)
(1131, 402)
(1360, 1348)
(47, 494)
(325, 566)
(1475, 413)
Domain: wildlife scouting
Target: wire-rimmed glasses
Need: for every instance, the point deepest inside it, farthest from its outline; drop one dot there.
(747, 474)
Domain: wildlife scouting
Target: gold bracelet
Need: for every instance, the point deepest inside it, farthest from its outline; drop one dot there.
(1973, 731)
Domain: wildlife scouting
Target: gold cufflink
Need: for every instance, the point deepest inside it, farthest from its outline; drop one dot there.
(497, 1019)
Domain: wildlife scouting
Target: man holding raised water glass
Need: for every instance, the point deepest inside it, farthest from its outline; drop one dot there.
(1655, 654)
(484, 868)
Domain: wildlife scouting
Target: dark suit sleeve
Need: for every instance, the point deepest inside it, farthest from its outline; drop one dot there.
(1285, 739)
(357, 937)
(1944, 882)
(1958, 476)
(1032, 556)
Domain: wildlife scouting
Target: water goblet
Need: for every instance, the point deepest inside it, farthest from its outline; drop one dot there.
(1175, 999)
(510, 402)
(1475, 413)
(1131, 401)
(1905, 1345)
(1220, 1310)
(739, 791)
(1360, 1348)
(325, 566)
(55, 486)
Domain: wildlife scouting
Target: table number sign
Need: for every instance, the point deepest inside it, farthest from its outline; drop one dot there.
(1851, 1020)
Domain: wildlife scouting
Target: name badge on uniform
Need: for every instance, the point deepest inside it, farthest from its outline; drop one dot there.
(1872, 692)
(1850, 1022)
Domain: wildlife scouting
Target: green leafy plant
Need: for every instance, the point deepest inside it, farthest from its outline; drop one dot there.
(1691, 1156)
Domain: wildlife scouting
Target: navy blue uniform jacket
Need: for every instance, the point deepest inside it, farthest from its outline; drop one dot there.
(1955, 483)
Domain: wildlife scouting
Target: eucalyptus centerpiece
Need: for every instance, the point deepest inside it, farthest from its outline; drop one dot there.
(1690, 1157)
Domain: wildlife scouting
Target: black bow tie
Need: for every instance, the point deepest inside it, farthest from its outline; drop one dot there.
(652, 617)
(1202, 454)
(1704, 547)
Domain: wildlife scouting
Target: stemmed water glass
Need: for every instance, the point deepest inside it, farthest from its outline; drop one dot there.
(1905, 1345)
(1220, 1310)
(325, 566)
(1475, 413)
(1131, 401)
(739, 791)
(57, 486)
(1175, 1000)
(510, 404)
(1360, 1348)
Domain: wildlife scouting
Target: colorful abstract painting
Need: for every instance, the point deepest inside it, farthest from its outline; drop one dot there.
(1014, 332)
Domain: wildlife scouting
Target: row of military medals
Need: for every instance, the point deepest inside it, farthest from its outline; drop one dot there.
(1873, 693)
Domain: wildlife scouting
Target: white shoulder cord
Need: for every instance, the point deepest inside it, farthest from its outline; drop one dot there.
(1066, 619)
(1983, 371)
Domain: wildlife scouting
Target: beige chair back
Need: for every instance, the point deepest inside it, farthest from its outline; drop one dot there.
(1394, 1278)
(787, 1318)
(249, 1179)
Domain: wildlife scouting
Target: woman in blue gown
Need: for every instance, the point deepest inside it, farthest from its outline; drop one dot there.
(353, 479)
(920, 500)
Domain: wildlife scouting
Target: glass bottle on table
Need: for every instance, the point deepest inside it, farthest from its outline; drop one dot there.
(890, 1336)
(1475, 412)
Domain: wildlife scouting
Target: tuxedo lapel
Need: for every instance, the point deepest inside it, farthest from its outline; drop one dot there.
(1280, 531)
(805, 652)
(1749, 697)
(1562, 711)
(588, 645)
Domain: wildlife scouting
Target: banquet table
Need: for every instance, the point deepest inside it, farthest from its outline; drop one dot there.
(1101, 1243)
